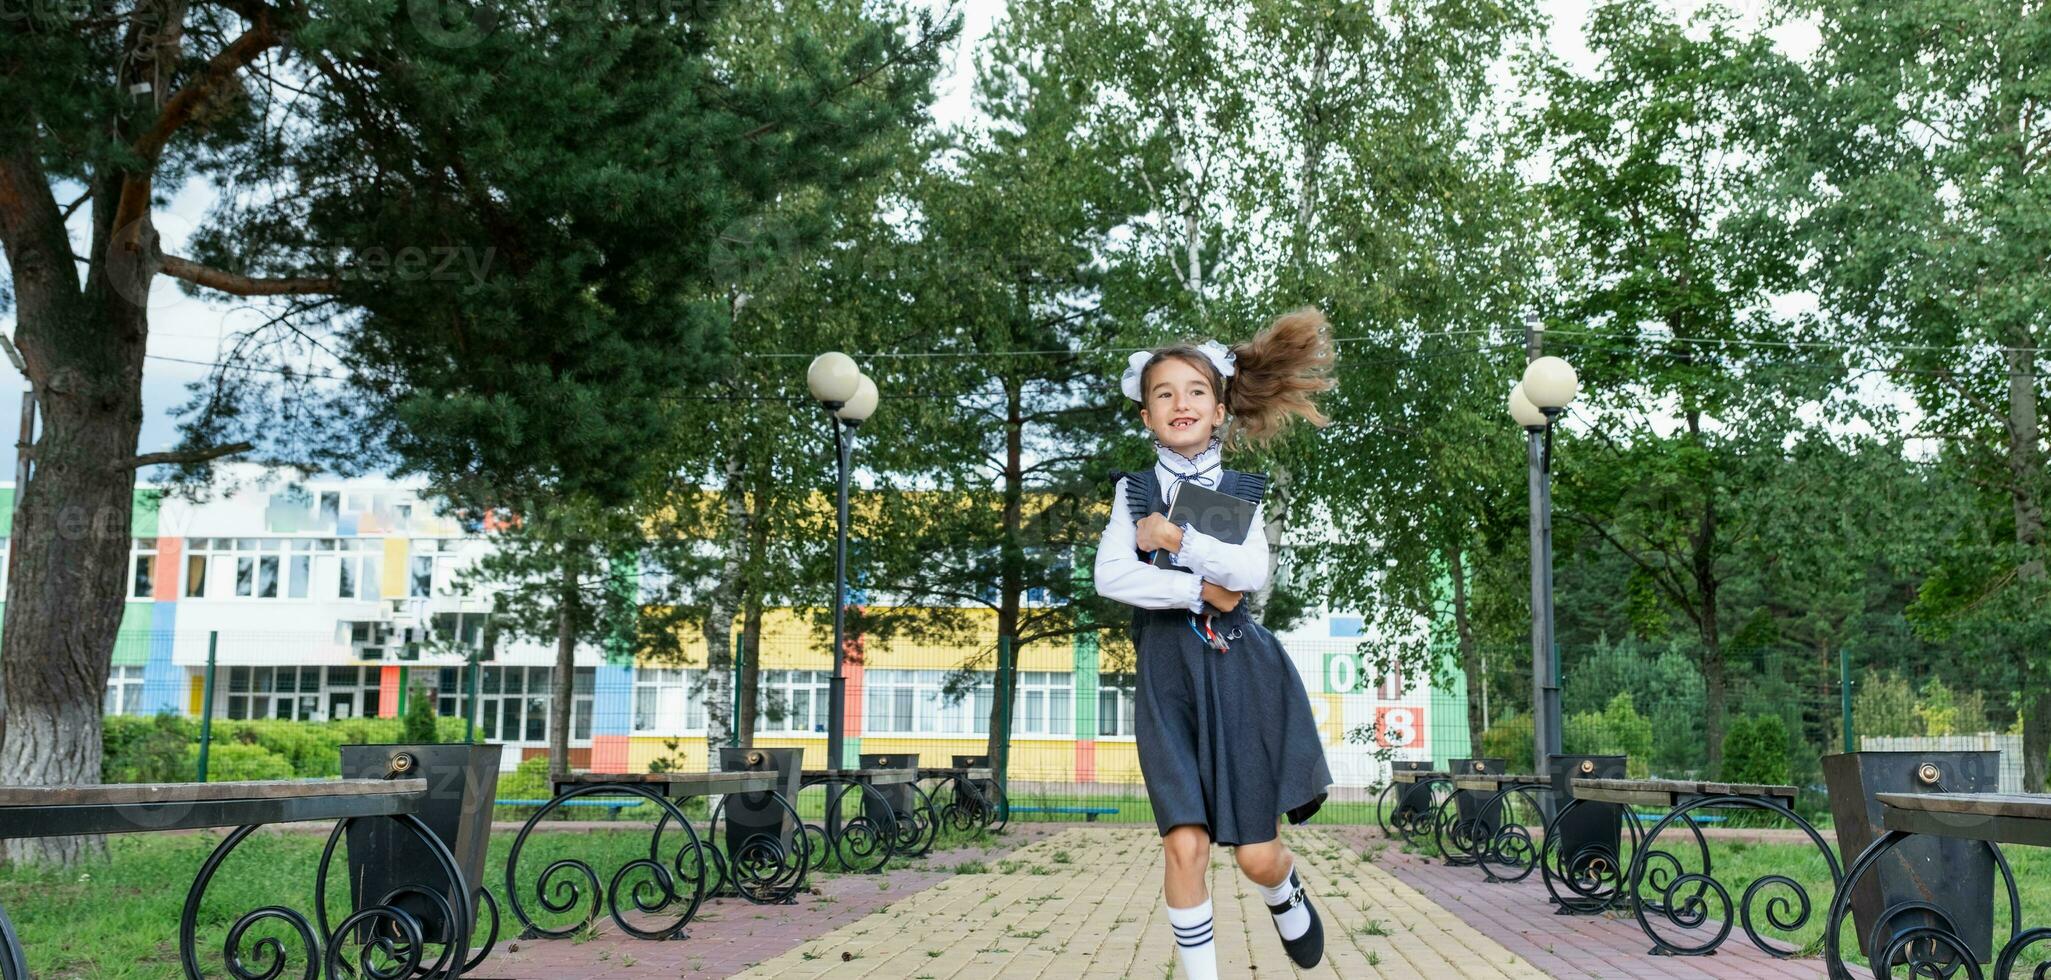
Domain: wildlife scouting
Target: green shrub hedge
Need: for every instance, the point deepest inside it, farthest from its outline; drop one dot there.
(165, 748)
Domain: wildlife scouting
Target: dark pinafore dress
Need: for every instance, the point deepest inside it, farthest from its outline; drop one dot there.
(1226, 740)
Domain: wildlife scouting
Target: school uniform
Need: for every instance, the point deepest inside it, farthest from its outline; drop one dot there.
(1226, 739)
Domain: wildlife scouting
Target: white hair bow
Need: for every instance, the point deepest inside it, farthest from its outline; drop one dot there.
(1221, 357)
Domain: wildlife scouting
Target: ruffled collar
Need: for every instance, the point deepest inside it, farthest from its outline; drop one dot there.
(1204, 470)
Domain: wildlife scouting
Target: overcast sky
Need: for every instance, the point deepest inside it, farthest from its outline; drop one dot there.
(185, 330)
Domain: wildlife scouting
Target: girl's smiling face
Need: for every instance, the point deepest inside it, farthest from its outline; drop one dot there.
(1181, 406)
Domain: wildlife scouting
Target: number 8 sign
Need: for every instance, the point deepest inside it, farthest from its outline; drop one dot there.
(1397, 727)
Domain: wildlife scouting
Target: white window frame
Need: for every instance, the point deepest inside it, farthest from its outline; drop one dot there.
(493, 696)
(144, 553)
(674, 698)
(124, 690)
(1033, 714)
(225, 562)
(816, 685)
(929, 710)
(1119, 690)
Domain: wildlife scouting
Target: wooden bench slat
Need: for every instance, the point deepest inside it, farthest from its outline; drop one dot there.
(274, 789)
(1685, 787)
(2029, 806)
(879, 776)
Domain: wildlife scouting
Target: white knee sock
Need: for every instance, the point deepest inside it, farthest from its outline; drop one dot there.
(1195, 945)
(1294, 922)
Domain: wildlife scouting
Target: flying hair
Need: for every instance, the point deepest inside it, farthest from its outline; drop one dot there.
(1277, 375)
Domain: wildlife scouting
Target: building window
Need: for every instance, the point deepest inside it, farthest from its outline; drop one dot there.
(250, 568)
(143, 578)
(669, 701)
(1046, 702)
(459, 631)
(915, 702)
(356, 575)
(292, 693)
(792, 701)
(1114, 705)
(513, 704)
(421, 583)
(124, 691)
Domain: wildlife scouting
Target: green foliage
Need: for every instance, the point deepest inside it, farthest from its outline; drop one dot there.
(1618, 729)
(1755, 750)
(155, 749)
(527, 782)
(232, 761)
(1509, 739)
(420, 724)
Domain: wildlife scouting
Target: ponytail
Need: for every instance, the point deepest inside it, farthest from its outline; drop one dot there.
(1278, 372)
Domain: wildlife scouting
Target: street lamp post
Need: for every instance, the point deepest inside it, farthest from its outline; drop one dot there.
(1549, 385)
(849, 398)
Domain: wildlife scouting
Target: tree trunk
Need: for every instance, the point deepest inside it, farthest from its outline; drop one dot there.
(72, 515)
(1274, 524)
(751, 667)
(719, 616)
(564, 681)
(2026, 482)
(2037, 734)
(1314, 143)
(1470, 651)
(1715, 686)
(751, 618)
(1010, 579)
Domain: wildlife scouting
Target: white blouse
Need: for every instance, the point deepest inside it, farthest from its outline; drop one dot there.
(1121, 575)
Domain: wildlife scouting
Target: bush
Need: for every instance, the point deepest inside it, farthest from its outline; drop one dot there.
(147, 750)
(1509, 739)
(236, 761)
(1616, 730)
(1755, 750)
(420, 725)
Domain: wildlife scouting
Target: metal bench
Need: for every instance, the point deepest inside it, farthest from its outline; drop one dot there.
(1939, 935)
(1504, 849)
(1463, 824)
(863, 837)
(662, 891)
(1661, 884)
(971, 796)
(1929, 830)
(1417, 790)
(139, 808)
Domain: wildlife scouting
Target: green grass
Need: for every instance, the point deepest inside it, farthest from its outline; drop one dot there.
(118, 920)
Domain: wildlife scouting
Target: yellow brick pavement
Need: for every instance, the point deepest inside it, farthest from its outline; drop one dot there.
(1087, 903)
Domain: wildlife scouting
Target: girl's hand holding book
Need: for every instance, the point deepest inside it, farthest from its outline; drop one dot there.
(1221, 598)
(1154, 533)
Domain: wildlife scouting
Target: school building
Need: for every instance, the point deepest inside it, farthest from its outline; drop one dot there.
(322, 599)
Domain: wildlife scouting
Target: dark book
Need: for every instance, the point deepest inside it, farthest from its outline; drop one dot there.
(1219, 515)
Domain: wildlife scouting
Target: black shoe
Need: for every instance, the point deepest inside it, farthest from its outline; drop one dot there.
(1308, 949)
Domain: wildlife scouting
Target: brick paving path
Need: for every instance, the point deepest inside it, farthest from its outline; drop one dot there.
(1573, 946)
(1062, 901)
(730, 935)
(1087, 903)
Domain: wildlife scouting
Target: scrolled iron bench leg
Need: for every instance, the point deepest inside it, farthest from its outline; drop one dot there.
(762, 870)
(1786, 911)
(397, 949)
(1510, 848)
(1927, 948)
(13, 960)
(859, 839)
(658, 892)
